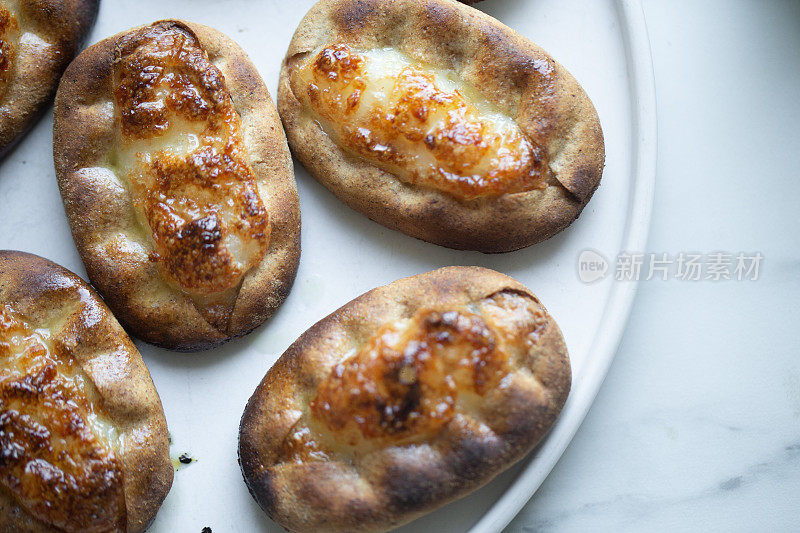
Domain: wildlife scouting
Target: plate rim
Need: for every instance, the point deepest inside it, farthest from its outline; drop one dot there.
(617, 311)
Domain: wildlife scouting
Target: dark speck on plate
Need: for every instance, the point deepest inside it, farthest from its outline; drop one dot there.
(185, 459)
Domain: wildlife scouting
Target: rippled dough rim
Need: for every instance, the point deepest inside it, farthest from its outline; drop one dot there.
(469, 462)
(453, 36)
(98, 208)
(66, 23)
(37, 289)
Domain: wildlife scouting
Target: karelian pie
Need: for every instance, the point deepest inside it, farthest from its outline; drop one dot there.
(408, 397)
(178, 184)
(38, 39)
(83, 439)
(436, 120)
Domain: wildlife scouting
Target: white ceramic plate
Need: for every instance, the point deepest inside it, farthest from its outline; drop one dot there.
(603, 43)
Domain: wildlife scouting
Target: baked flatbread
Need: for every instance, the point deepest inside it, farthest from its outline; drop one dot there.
(38, 39)
(178, 184)
(408, 397)
(436, 120)
(82, 433)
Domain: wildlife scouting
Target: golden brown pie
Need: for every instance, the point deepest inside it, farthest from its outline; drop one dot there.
(178, 184)
(406, 398)
(38, 39)
(436, 120)
(83, 440)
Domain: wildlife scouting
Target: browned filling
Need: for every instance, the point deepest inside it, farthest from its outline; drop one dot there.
(184, 156)
(396, 115)
(412, 377)
(53, 458)
(406, 380)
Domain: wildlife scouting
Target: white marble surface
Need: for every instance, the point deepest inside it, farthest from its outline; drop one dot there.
(697, 427)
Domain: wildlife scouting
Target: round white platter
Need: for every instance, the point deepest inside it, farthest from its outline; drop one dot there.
(603, 43)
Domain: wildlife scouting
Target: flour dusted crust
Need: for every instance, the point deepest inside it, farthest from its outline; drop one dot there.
(69, 371)
(509, 73)
(218, 165)
(38, 39)
(408, 397)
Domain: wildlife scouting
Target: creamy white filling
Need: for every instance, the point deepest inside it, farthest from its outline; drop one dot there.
(383, 65)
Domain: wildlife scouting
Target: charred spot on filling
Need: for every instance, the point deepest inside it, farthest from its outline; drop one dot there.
(54, 459)
(182, 151)
(395, 113)
(405, 382)
(9, 38)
